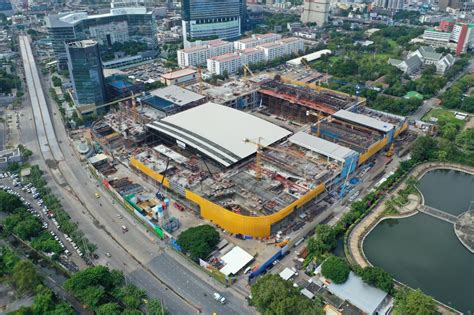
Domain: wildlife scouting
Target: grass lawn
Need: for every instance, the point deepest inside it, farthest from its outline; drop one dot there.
(443, 114)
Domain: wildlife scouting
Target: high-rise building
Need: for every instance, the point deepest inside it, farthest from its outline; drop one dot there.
(315, 11)
(211, 19)
(119, 25)
(392, 5)
(85, 70)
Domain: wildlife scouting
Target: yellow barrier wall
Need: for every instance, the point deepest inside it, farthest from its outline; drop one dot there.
(228, 220)
(247, 225)
(401, 129)
(374, 148)
(149, 172)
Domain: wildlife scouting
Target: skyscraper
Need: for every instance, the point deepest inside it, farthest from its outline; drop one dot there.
(211, 19)
(315, 11)
(85, 70)
(120, 25)
(393, 5)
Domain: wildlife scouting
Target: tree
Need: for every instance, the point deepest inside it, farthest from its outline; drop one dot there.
(24, 277)
(449, 131)
(154, 307)
(273, 295)
(413, 302)
(378, 277)
(199, 241)
(27, 228)
(466, 139)
(424, 149)
(336, 269)
(43, 300)
(324, 241)
(25, 153)
(131, 295)
(90, 285)
(8, 202)
(108, 309)
(56, 81)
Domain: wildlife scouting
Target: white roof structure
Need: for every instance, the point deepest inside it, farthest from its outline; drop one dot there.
(321, 146)
(287, 273)
(364, 120)
(177, 95)
(235, 260)
(219, 131)
(307, 293)
(97, 158)
(308, 57)
(365, 297)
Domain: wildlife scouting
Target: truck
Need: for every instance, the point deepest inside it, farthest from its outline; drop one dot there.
(219, 298)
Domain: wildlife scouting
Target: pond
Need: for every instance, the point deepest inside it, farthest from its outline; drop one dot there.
(422, 251)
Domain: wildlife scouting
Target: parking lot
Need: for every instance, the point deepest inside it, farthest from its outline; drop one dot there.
(71, 258)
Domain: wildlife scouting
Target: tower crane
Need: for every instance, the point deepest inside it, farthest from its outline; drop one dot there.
(247, 71)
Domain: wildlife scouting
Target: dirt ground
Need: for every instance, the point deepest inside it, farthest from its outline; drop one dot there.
(469, 123)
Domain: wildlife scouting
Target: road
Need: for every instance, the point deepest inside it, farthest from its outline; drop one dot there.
(136, 252)
(430, 103)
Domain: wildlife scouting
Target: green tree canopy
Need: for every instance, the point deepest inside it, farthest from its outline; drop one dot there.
(24, 277)
(154, 307)
(108, 309)
(272, 295)
(413, 302)
(199, 241)
(378, 277)
(424, 149)
(336, 269)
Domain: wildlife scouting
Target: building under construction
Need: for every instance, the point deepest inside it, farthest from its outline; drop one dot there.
(251, 177)
(302, 104)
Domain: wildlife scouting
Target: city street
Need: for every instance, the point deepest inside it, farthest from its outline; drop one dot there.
(135, 252)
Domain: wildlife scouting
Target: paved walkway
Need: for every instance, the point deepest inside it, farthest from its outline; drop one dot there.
(464, 229)
(439, 214)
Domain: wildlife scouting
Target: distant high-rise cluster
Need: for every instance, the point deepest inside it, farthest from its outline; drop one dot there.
(392, 5)
(315, 11)
(120, 25)
(212, 19)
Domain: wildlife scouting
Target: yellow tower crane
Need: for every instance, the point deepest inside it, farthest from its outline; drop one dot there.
(247, 71)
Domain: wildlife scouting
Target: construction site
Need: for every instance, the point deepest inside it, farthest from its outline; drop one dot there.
(302, 104)
(257, 162)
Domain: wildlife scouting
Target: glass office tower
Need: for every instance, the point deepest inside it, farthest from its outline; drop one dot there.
(211, 19)
(85, 70)
(120, 25)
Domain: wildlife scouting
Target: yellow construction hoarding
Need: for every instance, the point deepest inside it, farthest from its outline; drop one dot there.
(259, 226)
(373, 149)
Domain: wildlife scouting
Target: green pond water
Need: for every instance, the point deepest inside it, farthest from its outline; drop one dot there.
(422, 251)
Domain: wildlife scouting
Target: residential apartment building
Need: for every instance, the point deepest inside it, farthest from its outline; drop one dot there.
(231, 63)
(119, 25)
(228, 63)
(252, 56)
(286, 46)
(197, 55)
(256, 40)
